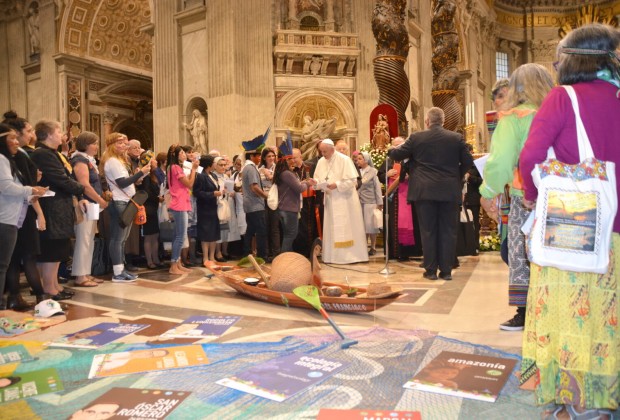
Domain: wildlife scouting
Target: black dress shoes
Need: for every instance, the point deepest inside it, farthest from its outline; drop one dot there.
(429, 275)
(17, 303)
(445, 276)
(220, 259)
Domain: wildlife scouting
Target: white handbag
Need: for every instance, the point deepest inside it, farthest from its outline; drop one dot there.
(377, 218)
(272, 197)
(223, 210)
(466, 215)
(575, 209)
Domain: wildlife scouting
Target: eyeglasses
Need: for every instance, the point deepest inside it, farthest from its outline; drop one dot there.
(221, 164)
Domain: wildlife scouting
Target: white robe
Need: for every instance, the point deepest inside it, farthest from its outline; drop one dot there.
(344, 239)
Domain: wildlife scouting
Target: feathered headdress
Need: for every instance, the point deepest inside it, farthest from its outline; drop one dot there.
(257, 144)
(286, 147)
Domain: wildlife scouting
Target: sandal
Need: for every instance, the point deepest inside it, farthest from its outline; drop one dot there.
(591, 414)
(87, 283)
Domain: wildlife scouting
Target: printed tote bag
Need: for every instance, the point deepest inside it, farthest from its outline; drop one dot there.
(575, 209)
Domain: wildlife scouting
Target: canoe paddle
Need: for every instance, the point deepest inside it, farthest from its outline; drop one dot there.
(311, 295)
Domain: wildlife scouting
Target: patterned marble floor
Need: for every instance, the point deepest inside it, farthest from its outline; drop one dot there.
(469, 308)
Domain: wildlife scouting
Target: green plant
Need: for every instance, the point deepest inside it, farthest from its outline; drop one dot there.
(490, 242)
(351, 292)
(376, 155)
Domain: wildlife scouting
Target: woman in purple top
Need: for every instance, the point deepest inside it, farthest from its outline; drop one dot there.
(289, 199)
(571, 336)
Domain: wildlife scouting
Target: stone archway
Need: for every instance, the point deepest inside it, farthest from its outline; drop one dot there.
(318, 104)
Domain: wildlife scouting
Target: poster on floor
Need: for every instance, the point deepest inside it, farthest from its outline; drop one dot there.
(14, 354)
(97, 336)
(132, 403)
(147, 360)
(202, 327)
(464, 375)
(29, 384)
(352, 414)
(283, 377)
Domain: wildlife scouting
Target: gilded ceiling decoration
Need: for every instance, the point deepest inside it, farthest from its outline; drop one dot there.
(109, 30)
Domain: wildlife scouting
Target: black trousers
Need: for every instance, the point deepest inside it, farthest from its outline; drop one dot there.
(438, 229)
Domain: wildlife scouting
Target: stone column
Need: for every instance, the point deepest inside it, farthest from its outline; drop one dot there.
(108, 121)
(329, 18)
(293, 23)
(346, 17)
(49, 76)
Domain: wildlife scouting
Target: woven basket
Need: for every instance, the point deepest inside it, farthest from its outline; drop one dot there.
(289, 270)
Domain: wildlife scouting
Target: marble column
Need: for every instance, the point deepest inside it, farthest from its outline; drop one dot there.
(330, 24)
(293, 23)
(49, 75)
(346, 17)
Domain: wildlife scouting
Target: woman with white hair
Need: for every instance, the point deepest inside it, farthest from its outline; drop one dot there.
(370, 196)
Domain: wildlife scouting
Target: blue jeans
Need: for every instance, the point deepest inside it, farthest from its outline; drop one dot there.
(290, 228)
(180, 230)
(118, 234)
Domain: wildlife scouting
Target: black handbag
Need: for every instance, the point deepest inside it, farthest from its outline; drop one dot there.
(130, 211)
(101, 258)
(166, 231)
(466, 236)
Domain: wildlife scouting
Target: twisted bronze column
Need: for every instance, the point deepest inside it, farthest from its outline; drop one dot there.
(445, 42)
(388, 27)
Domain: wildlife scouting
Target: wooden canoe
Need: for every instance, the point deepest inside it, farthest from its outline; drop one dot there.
(235, 279)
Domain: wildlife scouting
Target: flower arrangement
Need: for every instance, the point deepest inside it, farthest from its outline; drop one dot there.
(377, 156)
(490, 242)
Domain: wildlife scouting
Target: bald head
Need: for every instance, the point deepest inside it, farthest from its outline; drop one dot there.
(297, 158)
(342, 147)
(397, 141)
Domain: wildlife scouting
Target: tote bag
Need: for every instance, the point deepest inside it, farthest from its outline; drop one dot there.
(272, 197)
(575, 209)
(223, 210)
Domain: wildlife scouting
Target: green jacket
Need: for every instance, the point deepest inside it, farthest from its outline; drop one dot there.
(506, 144)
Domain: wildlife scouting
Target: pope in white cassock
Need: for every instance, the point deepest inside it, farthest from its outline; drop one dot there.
(344, 240)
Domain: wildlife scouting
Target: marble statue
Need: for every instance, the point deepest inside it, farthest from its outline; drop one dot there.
(33, 29)
(198, 129)
(313, 132)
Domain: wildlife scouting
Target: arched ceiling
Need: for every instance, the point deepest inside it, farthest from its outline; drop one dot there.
(108, 30)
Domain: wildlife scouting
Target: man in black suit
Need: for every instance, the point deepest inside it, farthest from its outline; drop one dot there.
(438, 160)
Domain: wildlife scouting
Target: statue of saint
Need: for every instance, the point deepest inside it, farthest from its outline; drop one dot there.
(381, 133)
(198, 129)
(313, 132)
(33, 29)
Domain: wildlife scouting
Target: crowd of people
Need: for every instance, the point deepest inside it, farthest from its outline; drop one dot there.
(49, 191)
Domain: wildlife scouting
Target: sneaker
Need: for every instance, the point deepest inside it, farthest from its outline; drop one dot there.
(516, 323)
(124, 277)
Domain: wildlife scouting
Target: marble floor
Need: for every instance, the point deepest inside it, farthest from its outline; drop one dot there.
(468, 308)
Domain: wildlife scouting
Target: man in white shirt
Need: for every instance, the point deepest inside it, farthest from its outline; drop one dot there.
(344, 241)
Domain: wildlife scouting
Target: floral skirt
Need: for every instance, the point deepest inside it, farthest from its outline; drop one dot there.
(571, 341)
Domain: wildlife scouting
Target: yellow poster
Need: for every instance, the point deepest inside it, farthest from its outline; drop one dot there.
(147, 360)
